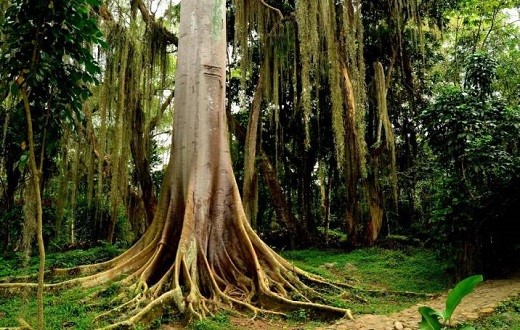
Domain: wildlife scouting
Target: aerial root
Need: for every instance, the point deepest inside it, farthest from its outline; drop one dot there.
(197, 289)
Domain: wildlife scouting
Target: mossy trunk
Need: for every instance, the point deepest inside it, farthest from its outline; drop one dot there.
(35, 178)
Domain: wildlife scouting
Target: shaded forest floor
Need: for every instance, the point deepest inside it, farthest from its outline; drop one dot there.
(387, 285)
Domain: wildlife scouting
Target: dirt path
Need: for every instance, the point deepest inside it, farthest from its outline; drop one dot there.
(482, 301)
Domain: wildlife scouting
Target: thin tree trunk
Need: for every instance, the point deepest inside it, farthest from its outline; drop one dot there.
(39, 211)
(250, 186)
(352, 167)
(282, 209)
(139, 145)
(376, 212)
(276, 193)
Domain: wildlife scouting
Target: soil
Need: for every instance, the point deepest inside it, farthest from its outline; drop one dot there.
(483, 301)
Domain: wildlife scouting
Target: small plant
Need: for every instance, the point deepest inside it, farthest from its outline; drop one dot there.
(431, 318)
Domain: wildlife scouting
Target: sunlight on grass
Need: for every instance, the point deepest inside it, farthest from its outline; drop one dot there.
(61, 311)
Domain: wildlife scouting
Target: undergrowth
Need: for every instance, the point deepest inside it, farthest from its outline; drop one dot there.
(218, 322)
(62, 311)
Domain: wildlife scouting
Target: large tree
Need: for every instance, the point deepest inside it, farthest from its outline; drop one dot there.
(200, 254)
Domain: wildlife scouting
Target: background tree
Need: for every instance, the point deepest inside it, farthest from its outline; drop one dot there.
(469, 134)
(45, 72)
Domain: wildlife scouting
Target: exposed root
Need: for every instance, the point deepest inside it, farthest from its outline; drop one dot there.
(198, 268)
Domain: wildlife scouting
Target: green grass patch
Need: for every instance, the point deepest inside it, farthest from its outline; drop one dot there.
(412, 269)
(15, 264)
(505, 317)
(68, 309)
(61, 311)
(218, 322)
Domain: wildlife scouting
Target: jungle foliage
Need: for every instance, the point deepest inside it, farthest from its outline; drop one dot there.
(363, 120)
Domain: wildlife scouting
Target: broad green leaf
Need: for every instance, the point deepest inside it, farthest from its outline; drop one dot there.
(429, 320)
(460, 290)
(92, 67)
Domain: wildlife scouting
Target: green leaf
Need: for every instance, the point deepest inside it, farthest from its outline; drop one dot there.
(429, 319)
(92, 67)
(14, 89)
(102, 43)
(455, 296)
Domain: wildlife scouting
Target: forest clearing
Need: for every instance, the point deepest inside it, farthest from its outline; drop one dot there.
(298, 163)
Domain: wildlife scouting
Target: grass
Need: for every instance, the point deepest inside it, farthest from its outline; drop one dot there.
(505, 317)
(14, 264)
(63, 311)
(410, 269)
(218, 322)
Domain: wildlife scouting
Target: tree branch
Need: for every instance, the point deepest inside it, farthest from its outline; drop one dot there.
(148, 18)
(164, 106)
(150, 21)
(276, 10)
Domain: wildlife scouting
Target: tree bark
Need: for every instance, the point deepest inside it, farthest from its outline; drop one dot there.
(140, 144)
(299, 234)
(39, 210)
(353, 165)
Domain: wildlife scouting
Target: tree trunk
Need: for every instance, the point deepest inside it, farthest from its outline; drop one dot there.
(296, 229)
(376, 212)
(250, 186)
(354, 153)
(200, 254)
(140, 144)
(276, 193)
(39, 210)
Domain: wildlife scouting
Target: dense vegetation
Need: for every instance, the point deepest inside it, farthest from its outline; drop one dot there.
(349, 122)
